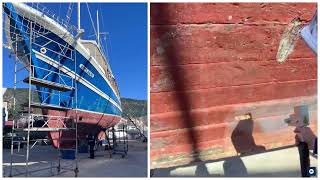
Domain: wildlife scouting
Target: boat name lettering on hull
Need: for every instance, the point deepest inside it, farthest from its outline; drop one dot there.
(86, 70)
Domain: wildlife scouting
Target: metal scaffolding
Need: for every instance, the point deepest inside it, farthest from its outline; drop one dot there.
(117, 141)
(35, 118)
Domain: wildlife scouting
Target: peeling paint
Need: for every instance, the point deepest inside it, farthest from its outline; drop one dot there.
(165, 80)
(185, 157)
(230, 52)
(288, 40)
(229, 27)
(160, 50)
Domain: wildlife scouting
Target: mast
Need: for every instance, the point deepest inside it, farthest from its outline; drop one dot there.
(98, 32)
(80, 31)
(79, 25)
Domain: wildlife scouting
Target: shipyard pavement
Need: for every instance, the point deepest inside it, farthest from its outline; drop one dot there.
(134, 165)
(280, 163)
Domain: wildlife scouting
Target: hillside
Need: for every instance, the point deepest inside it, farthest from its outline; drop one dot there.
(22, 95)
(134, 108)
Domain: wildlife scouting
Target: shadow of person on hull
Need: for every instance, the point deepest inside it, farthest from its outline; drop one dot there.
(168, 41)
(243, 142)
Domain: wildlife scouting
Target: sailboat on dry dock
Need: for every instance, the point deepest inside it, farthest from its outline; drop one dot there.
(71, 76)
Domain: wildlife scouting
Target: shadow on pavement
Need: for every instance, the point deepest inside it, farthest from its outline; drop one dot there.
(243, 142)
(232, 167)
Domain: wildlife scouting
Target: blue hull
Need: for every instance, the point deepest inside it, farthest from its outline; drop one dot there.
(72, 61)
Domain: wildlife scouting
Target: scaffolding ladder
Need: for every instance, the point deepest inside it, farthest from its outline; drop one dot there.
(35, 121)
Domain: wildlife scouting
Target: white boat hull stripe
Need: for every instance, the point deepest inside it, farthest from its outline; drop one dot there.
(71, 73)
(62, 33)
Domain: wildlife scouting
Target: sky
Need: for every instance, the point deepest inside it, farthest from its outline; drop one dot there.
(126, 25)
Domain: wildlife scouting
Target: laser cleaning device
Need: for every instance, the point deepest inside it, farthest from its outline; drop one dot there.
(300, 119)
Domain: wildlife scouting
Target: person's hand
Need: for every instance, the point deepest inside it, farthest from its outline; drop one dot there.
(305, 134)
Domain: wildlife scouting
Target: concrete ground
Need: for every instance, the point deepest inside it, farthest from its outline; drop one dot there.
(133, 165)
(279, 163)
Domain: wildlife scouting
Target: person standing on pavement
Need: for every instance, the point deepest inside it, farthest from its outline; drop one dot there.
(91, 143)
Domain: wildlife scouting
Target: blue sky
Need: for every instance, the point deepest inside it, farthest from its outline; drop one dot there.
(126, 24)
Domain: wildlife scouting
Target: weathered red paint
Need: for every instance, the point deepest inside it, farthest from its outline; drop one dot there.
(219, 13)
(232, 95)
(88, 123)
(212, 75)
(219, 43)
(211, 62)
(227, 113)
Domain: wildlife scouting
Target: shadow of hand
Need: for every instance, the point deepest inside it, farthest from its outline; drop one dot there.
(305, 134)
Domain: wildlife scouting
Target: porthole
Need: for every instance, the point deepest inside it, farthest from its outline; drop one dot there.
(43, 50)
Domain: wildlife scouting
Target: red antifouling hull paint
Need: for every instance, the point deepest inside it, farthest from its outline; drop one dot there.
(88, 123)
(211, 62)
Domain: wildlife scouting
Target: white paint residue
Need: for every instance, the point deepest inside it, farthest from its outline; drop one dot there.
(288, 40)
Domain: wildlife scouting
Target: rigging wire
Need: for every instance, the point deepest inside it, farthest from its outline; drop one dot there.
(103, 51)
(59, 9)
(95, 31)
(69, 14)
(102, 22)
(105, 39)
(91, 19)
